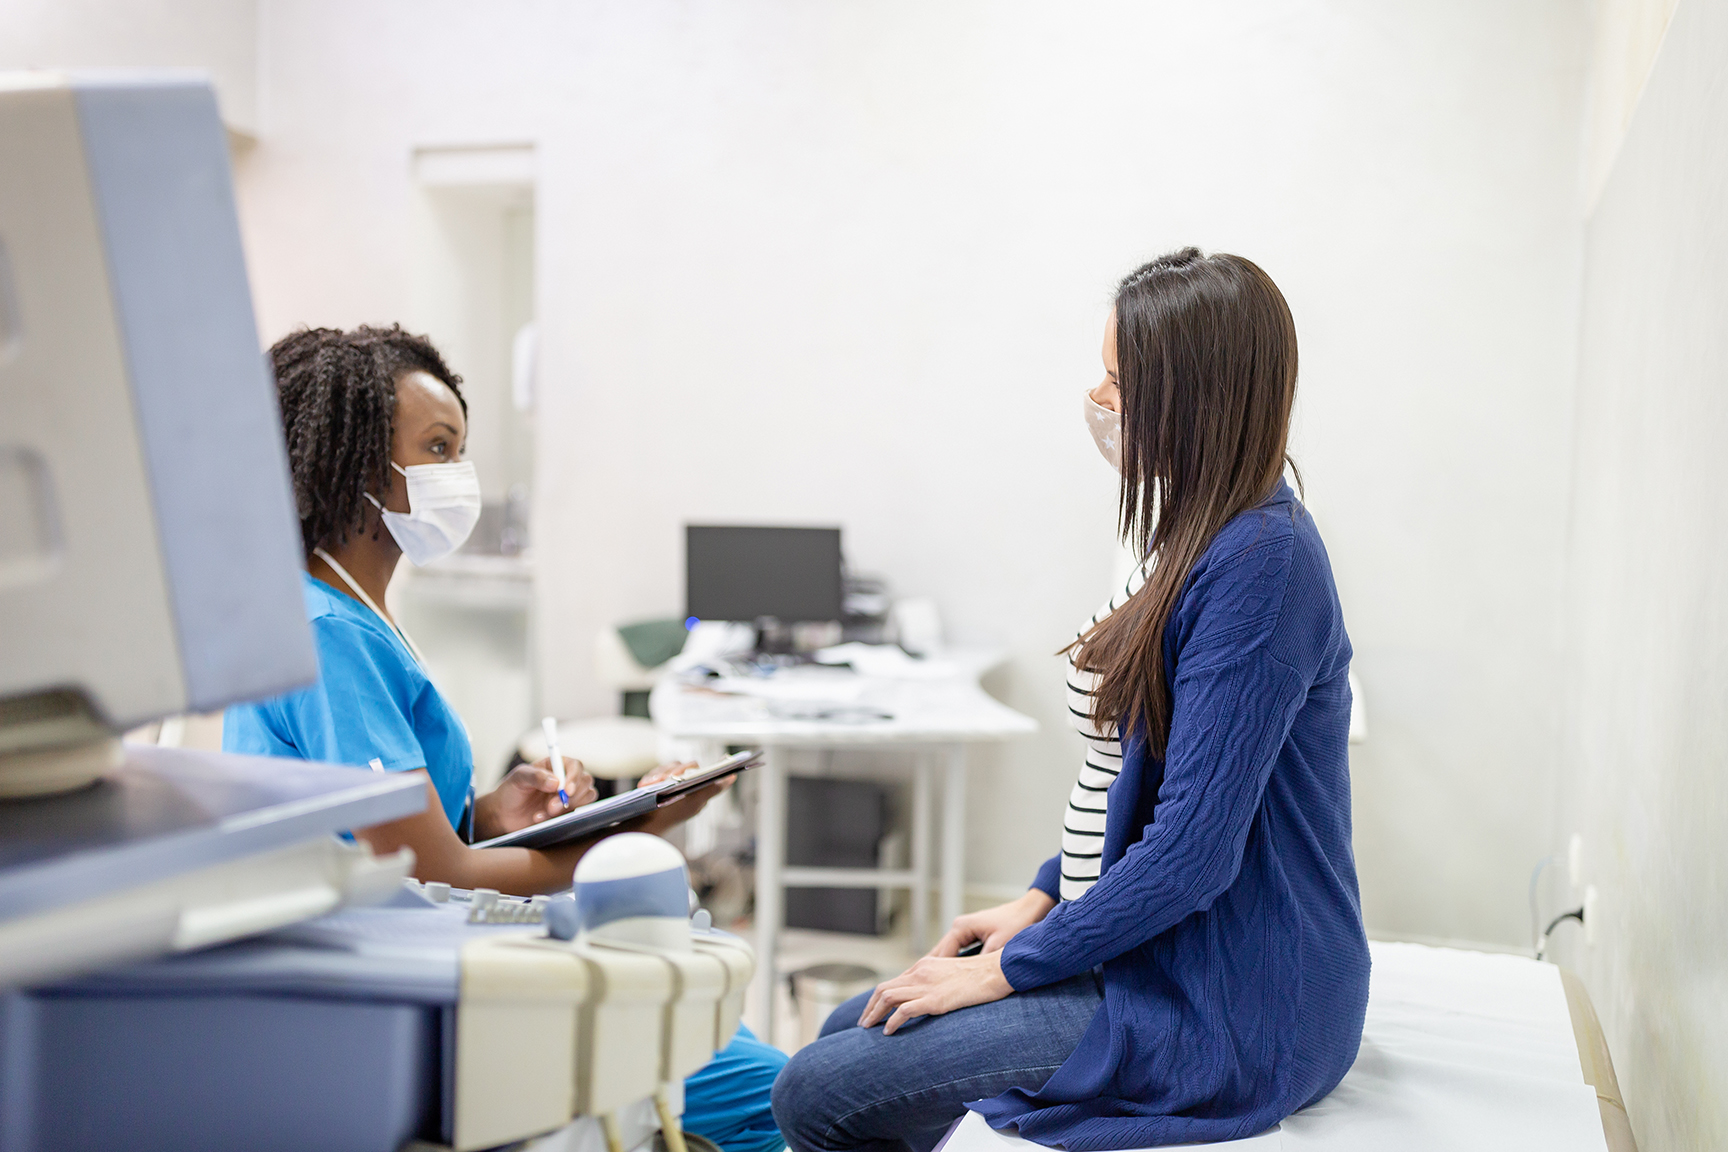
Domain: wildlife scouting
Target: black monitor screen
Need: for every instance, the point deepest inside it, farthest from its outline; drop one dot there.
(792, 574)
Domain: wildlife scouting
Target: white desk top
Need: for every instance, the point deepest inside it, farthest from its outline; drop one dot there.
(824, 707)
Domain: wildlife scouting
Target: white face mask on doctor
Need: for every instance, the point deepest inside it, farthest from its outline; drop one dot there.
(443, 507)
(1106, 429)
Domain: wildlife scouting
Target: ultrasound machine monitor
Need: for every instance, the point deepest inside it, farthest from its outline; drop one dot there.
(190, 959)
(149, 545)
(149, 550)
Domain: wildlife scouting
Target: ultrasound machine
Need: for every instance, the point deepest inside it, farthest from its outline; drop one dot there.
(192, 955)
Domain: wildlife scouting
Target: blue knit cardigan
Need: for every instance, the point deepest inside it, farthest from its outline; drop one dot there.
(1227, 919)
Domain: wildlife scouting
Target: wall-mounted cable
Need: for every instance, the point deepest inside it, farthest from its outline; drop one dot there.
(1542, 944)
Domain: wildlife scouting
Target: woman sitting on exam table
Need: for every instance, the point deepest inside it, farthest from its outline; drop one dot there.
(376, 422)
(1191, 966)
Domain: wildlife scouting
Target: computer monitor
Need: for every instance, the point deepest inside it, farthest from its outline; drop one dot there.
(149, 544)
(747, 573)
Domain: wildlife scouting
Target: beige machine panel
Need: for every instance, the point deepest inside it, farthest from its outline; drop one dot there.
(64, 521)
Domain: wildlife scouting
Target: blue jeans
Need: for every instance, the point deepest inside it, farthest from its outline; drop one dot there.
(856, 1088)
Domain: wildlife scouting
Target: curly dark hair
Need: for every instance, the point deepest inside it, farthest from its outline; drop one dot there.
(338, 395)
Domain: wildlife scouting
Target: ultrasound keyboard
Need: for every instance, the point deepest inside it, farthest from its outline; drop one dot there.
(486, 905)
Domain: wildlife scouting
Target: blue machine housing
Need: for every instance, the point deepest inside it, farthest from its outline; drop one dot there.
(337, 1034)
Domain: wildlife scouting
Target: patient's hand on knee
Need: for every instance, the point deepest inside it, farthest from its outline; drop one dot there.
(994, 927)
(933, 986)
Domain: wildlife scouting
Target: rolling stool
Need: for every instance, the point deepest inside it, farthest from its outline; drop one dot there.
(616, 750)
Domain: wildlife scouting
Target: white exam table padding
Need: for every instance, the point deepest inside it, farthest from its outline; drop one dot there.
(1461, 1051)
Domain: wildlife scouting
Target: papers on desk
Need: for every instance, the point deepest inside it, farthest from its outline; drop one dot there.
(829, 685)
(831, 689)
(832, 706)
(828, 694)
(888, 661)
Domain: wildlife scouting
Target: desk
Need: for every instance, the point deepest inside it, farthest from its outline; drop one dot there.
(934, 716)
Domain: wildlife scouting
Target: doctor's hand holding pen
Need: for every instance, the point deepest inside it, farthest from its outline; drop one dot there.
(441, 855)
(528, 794)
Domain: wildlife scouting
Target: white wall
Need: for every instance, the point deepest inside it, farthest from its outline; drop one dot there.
(220, 36)
(1647, 618)
(880, 238)
(473, 285)
(878, 241)
(1627, 36)
(848, 263)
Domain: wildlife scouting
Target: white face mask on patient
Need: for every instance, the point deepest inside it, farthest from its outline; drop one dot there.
(1106, 429)
(443, 507)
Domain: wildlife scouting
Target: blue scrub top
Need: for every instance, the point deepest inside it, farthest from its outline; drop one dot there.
(372, 701)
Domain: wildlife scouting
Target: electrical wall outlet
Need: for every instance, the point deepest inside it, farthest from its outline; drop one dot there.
(1590, 907)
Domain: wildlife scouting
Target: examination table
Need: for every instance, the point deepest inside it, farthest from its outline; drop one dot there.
(1461, 1050)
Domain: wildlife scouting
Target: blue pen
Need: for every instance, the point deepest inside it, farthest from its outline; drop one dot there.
(550, 727)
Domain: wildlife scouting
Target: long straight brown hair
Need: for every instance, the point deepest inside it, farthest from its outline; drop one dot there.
(1206, 364)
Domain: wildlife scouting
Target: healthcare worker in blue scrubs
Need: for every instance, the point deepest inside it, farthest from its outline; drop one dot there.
(375, 424)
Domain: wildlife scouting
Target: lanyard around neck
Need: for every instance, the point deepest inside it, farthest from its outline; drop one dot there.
(367, 600)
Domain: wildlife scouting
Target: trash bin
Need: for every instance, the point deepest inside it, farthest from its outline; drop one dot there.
(821, 988)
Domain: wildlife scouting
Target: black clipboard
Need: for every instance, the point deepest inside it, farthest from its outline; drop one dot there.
(614, 810)
(669, 790)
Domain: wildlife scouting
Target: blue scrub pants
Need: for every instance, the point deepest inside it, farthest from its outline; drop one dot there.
(728, 1100)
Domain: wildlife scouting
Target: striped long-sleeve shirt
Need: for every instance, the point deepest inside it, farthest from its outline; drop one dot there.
(1083, 820)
